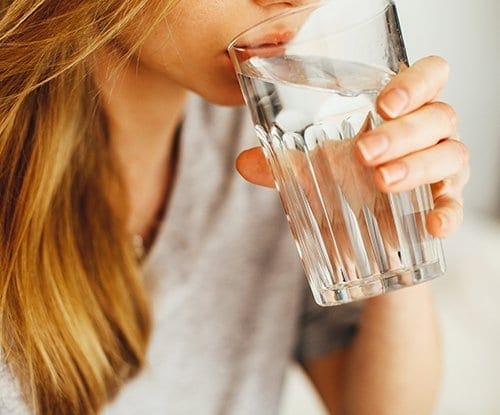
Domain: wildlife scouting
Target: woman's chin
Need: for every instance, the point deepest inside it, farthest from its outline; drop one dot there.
(229, 96)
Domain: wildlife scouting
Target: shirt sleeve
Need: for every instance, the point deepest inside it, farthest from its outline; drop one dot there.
(324, 329)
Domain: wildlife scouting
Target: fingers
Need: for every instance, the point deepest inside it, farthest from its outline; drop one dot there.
(452, 186)
(413, 147)
(415, 131)
(431, 165)
(447, 215)
(413, 87)
(252, 166)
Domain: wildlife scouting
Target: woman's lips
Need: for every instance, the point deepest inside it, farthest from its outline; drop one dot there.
(269, 45)
(268, 41)
(271, 39)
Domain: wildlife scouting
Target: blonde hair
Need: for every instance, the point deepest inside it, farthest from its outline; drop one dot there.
(74, 316)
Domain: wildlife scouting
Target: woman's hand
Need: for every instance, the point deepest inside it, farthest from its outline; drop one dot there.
(417, 144)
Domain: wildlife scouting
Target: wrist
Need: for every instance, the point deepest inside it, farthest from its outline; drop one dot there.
(418, 295)
(406, 310)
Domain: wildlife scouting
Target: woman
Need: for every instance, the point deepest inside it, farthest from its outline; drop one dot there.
(101, 145)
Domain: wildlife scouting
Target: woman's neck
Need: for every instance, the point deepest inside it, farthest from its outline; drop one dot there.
(143, 110)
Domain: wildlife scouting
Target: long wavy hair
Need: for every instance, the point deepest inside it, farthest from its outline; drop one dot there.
(74, 316)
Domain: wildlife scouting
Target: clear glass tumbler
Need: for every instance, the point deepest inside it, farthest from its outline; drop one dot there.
(310, 78)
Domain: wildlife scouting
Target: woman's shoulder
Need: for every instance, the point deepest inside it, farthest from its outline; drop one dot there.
(11, 401)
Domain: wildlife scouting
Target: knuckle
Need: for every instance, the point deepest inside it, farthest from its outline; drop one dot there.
(463, 153)
(426, 83)
(443, 64)
(429, 75)
(416, 80)
(449, 114)
(440, 188)
(459, 212)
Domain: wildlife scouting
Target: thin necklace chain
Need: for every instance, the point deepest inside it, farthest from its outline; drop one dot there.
(138, 242)
(138, 246)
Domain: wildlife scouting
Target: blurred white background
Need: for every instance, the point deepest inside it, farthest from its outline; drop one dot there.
(467, 34)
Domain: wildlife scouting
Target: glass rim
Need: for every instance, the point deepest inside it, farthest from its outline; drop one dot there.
(233, 44)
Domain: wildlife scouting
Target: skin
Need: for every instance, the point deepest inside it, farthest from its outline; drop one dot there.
(418, 144)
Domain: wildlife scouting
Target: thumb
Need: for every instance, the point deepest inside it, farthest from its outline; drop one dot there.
(253, 167)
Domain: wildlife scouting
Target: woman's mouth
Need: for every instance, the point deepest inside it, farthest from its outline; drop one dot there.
(272, 44)
(268, 41)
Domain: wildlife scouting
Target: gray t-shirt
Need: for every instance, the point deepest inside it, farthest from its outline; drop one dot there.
(230, 302)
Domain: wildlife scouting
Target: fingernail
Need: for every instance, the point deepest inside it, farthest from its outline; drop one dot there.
(394, 172)
(373, 146)
(394, 102)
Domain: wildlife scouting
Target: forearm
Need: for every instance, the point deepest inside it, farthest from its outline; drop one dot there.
(394, 364)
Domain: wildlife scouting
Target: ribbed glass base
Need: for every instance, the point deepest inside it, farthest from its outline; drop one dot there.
(378, 284)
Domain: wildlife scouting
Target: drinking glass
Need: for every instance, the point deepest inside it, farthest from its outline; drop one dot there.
(310, 77)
